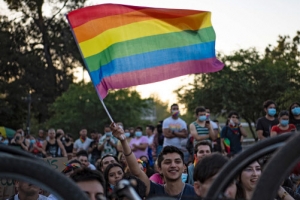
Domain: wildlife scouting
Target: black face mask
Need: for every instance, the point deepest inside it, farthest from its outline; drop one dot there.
(67, 139)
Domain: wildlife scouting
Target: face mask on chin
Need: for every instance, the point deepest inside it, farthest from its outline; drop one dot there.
(184, 177)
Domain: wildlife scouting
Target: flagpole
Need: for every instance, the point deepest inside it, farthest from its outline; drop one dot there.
(101, 100)
(104, 106)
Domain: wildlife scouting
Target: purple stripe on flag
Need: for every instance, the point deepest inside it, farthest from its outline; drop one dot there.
(160, 73)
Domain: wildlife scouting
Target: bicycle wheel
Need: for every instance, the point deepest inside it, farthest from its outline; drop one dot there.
(14, 151)
(232, 168)
(40, 174)
(277, 169)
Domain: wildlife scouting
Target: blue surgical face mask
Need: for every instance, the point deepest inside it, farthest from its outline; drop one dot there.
(184, 177)
(202, 118)
(108, 134)
(284, 122)
(127, 134)
(296, 111)
(272, 111)
(138, 133)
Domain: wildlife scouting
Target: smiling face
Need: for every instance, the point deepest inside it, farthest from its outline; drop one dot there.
(171, 167)
(250, 176)
(115, 174)
(203, 150)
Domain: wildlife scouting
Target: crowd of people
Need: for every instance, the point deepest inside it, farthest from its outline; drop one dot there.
(168, 159)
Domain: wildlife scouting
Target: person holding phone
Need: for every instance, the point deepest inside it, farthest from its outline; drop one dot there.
(201, 128)
(19, 141)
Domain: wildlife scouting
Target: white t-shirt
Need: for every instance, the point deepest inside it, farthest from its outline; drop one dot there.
(150, 139)
(92, 167)
(82, 145)
(214, 125)
(176, 125)
(51, 197)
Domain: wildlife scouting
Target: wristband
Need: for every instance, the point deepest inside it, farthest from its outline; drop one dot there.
(128, 154)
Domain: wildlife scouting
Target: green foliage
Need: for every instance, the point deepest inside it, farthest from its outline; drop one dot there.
(80, 107)
(247, 80)
(38, 54)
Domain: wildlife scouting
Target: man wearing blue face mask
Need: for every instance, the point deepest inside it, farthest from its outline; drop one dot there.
(139, 144)
(201, 129)
(264, 124)
(108, 143)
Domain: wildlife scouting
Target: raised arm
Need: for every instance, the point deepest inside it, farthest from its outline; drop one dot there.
(130, 157)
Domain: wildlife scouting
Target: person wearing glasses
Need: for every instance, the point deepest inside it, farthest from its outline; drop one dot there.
(232, 134)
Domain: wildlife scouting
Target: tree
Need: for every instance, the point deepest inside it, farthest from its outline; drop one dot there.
(38, 54)
(80, 107)
(247, 80)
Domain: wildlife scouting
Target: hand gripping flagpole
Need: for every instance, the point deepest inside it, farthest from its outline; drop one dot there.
(101, 100)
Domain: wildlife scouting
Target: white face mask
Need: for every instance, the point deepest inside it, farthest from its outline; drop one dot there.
(232, 123)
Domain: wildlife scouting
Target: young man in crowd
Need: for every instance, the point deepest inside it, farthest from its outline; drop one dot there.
(91, 182)
(170, 164)
(174, 128)
(82, 143)
(150, 135)
(201, 129)
(27, 191)
(205, 173)
(82, 156)
(93, 148)
(108, 143)
(264, 124)
(201, 150)
(105, 161)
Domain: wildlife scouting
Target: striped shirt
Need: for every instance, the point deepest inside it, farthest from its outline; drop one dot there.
(201, 131)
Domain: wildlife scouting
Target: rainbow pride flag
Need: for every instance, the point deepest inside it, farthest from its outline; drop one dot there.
(124, 45)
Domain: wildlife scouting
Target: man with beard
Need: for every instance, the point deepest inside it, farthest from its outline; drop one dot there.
(27, 191)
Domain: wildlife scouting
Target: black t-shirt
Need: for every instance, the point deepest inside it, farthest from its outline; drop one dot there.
(69, 149)
(158, 190)
(235, 139)
(52, 149)
(296, 122)
(95, 152)
(266, 125)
